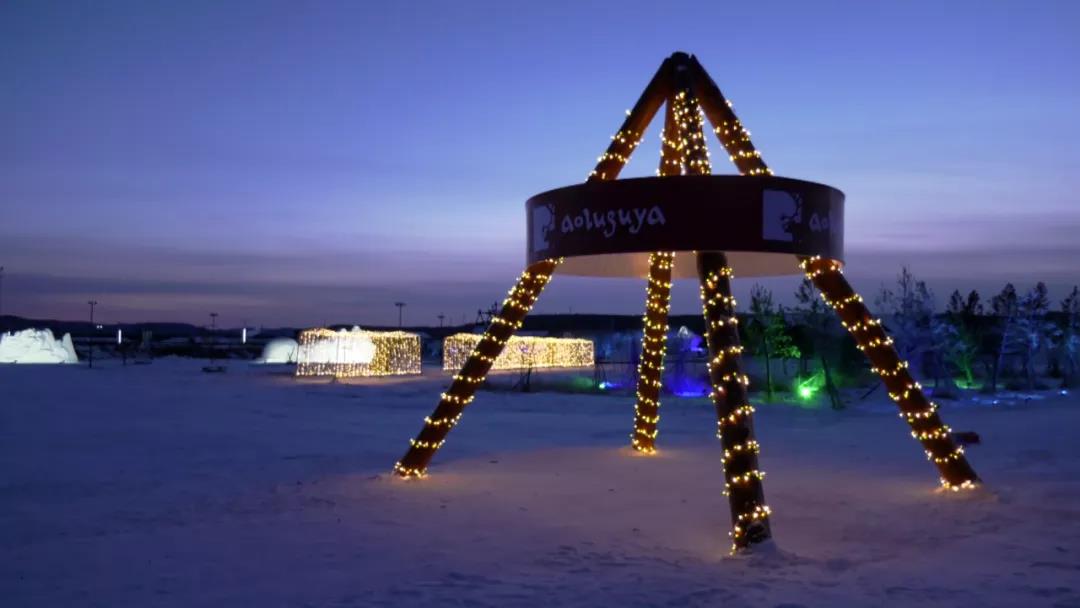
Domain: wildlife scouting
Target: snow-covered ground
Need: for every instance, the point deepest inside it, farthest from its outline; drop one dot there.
(160, 485)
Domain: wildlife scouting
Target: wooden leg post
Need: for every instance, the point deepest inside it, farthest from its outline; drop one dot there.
(524, 294)
(869, 334)
(657, 304)
(447, 414)
(735, 428)
(653, 345)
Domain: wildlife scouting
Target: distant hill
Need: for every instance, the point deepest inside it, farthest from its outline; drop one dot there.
(555, 324)
(160, 329)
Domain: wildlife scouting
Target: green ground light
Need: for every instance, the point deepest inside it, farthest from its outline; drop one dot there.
(967, 385)
(807, 389)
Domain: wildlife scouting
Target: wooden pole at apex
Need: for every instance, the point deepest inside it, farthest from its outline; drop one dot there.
(629, 135)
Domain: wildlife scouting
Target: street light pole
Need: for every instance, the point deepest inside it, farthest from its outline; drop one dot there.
(400, 307)
(441, 317)
(212, 342)
(93, 331)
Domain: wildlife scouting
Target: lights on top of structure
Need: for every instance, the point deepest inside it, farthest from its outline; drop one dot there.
(521, 352)
(356, 352)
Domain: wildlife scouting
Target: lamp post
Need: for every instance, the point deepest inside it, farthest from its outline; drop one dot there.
(90, 356)
(211, 343)
(400, 307)
(441, 317)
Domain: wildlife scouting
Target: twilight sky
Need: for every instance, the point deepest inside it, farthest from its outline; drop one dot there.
(310, 162)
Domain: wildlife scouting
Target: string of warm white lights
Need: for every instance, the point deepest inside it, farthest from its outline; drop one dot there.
(623, 144)
(657, 305)
(518, 303)
(628, 137)
(523, 296)
(522, 352)
(344, 354)
(742, 476)
(727, 127)
(870, 336)
(653, 345)
(688, 117)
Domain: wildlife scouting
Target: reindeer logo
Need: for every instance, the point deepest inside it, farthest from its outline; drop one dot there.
(784, 218)
(543, 224)
(781, 212)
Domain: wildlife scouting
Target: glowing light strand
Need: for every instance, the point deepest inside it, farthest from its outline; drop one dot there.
(742, 477)
(462, 390)
(657, 305)
(653, 345)
(870, 338)
(827, 275)
(734, 413)
(522, 296)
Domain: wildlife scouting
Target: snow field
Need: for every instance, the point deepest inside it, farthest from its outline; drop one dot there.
(160, 485)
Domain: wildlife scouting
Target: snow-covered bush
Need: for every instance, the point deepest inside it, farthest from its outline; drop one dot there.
(279, 350)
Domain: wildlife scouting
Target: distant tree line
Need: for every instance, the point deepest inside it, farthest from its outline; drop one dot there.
(1015, 341)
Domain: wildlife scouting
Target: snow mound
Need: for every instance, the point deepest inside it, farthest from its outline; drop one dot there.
(36, 346)
(279, 350)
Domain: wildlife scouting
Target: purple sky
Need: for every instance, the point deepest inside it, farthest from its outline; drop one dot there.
(301, 163)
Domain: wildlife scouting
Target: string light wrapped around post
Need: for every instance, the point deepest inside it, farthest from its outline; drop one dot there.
(515, 307)
(869, 334)
(735, 429)
(726, 125)
(627, 138)
(734, 414)
(532, 282)
(653, 344)
(657, 305)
